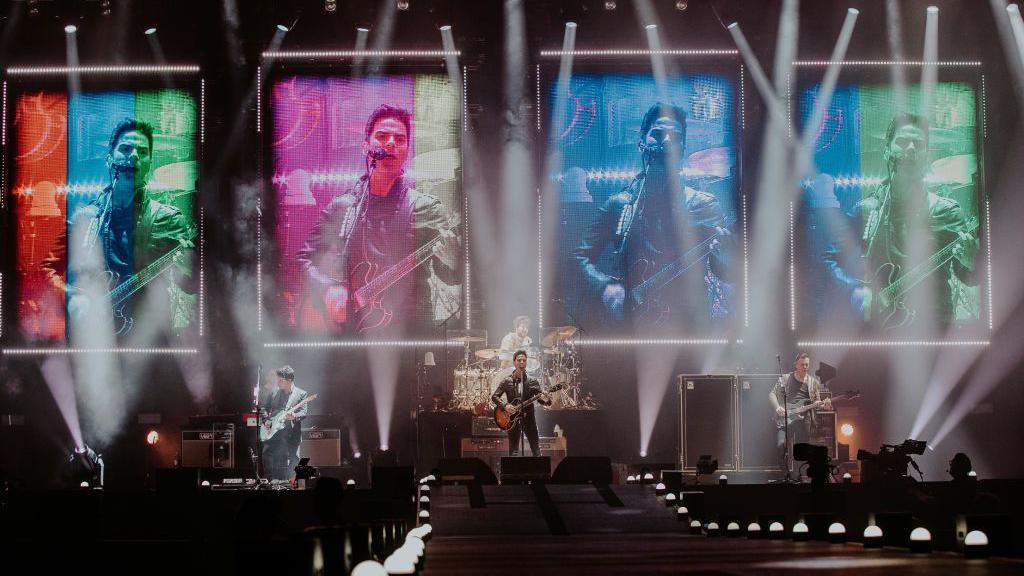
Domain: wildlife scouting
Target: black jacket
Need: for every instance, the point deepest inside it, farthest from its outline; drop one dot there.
(509, 388)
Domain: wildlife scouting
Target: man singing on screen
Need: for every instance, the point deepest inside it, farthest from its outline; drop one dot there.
(654, 255)
(125, 243)
(897, 276)
(373, 256)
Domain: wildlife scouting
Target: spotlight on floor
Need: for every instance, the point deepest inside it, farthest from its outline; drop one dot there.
(152, 437)
(150, 31)
(282, 28)
(920, 540)
(643, 454)
(70, 29)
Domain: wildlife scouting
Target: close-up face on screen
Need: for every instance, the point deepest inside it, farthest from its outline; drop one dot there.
(367, 179)
(103, 193)
(648, 235)
(888, 232)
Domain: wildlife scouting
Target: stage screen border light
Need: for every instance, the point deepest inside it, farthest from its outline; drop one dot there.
(102, 71)
(983, 198)
(615, 60)
(338, 63)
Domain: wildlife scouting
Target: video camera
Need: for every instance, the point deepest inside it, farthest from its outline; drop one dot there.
(890, 464)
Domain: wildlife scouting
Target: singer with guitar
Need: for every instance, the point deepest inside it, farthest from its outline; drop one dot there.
(281, 449)
(519, 388)
(899, 272)
(371, 257)
(123, 240)
(658, 243)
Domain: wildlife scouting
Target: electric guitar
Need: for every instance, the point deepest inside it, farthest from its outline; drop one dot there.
(510, 414)
(642, 298)
(891, 303)
(279, 420)
(119, 295)
(369, 297)
(797, 410)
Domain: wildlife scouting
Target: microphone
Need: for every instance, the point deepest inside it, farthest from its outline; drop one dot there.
(379, 153)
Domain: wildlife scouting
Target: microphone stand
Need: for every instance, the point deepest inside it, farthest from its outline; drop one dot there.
(257, 457)
(786, 458)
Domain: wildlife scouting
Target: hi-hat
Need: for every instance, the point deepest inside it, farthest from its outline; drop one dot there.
(486, 353)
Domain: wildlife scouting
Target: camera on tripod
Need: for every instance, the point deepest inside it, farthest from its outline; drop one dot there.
(890, 464)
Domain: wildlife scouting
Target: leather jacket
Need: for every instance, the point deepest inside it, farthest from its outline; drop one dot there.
(509, 388)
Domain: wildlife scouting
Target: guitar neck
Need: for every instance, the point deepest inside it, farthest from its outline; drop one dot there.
(374, 288)
(674, 269)
(124, 290)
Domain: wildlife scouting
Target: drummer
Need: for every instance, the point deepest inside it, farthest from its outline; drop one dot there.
(517, 339)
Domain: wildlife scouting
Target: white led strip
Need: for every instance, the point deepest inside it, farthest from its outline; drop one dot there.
(537, 91)
(46, 351)
(649, 341)
(890, 343)
(638, 52)
(743, 108)
(746, 267)
(259, 265)
(202, 267)
(988, 241)
(259, 99)
(362, 344)
(465, 105)
(792, 273)
(540, 260)
(103, 69)
(886, 63)
(202, 110)
(1, 305)
(299, 54)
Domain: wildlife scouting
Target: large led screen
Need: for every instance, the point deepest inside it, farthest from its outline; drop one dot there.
(103, 193)
(366, 174)
(648, 238)
(887, 232)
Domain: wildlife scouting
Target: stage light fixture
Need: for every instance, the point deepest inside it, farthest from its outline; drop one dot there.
(282, 28)
(152, 437)
(105, 8)
(363, 30)
(643, 454)
(651, 27)
(150, 31)
(402, 4)
(682, 5)
(933, 9)
(846, 429)
(330, 5)
(801, 532)
(610, 5)
(920, 540)
(70, 29)
(570, 24)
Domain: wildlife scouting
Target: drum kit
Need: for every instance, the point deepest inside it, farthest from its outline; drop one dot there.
(483, 369)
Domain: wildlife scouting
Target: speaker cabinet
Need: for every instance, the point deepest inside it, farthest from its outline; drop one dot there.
(707, 409)
(516, 469)
(209, 448)
(491, 450)
(321, 446)
(758, 433)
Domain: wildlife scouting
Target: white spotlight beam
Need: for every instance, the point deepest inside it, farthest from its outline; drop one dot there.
(764, 86)
(929, 71)
(893, 22)
(828, 86)
(1015, 51)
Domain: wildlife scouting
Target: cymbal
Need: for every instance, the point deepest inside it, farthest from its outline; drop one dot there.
(468, 339)
(486, 353)
(552, 351)
(557, 333)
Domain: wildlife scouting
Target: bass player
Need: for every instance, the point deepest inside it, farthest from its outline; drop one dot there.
(795, 389)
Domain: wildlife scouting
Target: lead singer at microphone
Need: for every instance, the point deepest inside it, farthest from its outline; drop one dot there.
(371, 231)
(120, 234)
(643, 232)
(519, 386)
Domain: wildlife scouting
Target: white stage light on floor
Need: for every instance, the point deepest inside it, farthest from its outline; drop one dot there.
(643, 454)
(682, 513)
(205, 483)
(369, 568)
(282, 28)
(150, 31)
(920, 540)
(801, 532)
(424, 515)
(847, 478)
(933, 9)
(872, 537)
(350, 482)
(723, 480)
(976, 544)
(695, 527)
(670, 499)
(648, 477)
(712, 528)
(972, 474)
(84, 484)
(630, 479)
(732, 528)
(753, 530)
(836, 533)
(446, 28)
(570, 24)
(70, 28)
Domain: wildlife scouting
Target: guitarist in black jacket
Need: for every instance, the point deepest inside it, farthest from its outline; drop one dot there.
(281, 451)
(512, 388)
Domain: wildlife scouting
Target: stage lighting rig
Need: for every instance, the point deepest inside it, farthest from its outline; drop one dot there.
(84, 465)
(610, 5)
(402, 4)
(682, 5)
(330, 5)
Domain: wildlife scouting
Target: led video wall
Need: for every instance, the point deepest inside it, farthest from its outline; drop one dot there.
(102, 187)
(366, 177)
(889, 226)
(649, 236)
